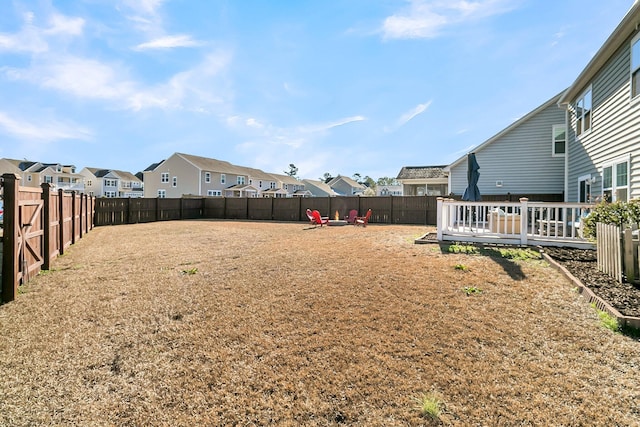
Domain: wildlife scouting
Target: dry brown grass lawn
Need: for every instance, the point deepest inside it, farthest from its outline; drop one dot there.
(280, 324)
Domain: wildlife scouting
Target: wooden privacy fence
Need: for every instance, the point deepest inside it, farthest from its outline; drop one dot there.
(39, 224)
(618, 254)
(385, 210)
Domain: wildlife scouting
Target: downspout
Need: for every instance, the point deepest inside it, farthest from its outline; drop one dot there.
(566, 154)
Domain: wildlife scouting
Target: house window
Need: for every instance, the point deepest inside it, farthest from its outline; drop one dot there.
(29, 178)
(89, 183)
(162, 194)
(559, 142)
(109, 194)
(164, 177)
(110, 182)
(635, 67)
(207, 177)
(615, 181)
(223, 178)
(48, 179)
(216, 193)
(174, 182)
(259, 184)
(583, 113)
(272, 185)
(241, 180)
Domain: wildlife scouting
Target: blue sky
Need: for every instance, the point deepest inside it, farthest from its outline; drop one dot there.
(338, 86)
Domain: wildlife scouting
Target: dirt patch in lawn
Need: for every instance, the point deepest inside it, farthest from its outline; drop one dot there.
(243, 323)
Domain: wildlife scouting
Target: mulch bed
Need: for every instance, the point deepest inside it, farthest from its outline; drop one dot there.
(583, 264)
(248, 323)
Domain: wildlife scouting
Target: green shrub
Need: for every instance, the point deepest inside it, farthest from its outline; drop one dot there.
(616, 213)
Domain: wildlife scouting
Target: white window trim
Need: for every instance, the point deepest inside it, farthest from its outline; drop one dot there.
(174, 182)
(162, 194)
(207, 177)
(614, 187)
(586, 131)
(553, 140)
(223, 178)
(164, 177)
(589, 181)
(636, 98)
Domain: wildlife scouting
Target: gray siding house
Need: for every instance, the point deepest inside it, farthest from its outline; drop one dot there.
(603, 106)
(527, 157)
(346, 186)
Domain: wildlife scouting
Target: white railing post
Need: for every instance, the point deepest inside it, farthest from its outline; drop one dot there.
(439, 218)
(524, 220)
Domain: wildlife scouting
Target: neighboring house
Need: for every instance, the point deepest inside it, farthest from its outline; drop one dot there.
(423, 180)
(34, 174)
(603, 105)
(318, 188)
(111, 183)
(389, 190)
(345, 186)
(527, 157)
(185, 174)
(287, 186)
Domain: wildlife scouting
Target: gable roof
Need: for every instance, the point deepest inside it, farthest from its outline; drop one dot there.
(320, 186)
(509, 128)
(351, 182)
(625, 28)
(422, 172)
(213, 165)
(286, 179)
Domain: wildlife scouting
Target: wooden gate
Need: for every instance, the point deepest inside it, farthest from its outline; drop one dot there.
(38, 225)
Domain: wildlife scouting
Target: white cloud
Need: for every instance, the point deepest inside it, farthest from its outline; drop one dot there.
(417, 110)
(427, 19)
(33, 39)
(83, 78)
(326, 126)
(147, 7)
(169, 42)
(44, 131)
(61, 24)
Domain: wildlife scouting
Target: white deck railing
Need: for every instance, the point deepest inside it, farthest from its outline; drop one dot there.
(520, 223)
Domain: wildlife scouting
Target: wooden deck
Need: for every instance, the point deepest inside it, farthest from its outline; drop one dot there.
(517, 223)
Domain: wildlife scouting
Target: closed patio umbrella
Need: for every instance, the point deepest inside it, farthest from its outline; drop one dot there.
(472, 193)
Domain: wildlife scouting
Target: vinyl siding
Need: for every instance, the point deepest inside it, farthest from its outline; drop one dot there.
(615, 131)
(521, 158)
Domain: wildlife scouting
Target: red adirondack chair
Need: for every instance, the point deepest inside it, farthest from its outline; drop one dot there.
(317, 219)
(363, 220)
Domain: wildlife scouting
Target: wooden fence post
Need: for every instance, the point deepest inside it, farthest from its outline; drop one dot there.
(46, 226)
(61, 219)
(73, 217)
(627, 248)
(10, 262)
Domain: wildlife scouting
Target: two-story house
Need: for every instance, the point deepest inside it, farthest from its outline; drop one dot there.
(603, 105)
(287, 186)
(318, 188)
(345, 186)
(185, 174)
(111, 183)
(34, 174)
(527, 157)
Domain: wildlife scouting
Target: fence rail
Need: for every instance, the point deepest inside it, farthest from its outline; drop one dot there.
(38, 225)
(385, 209)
